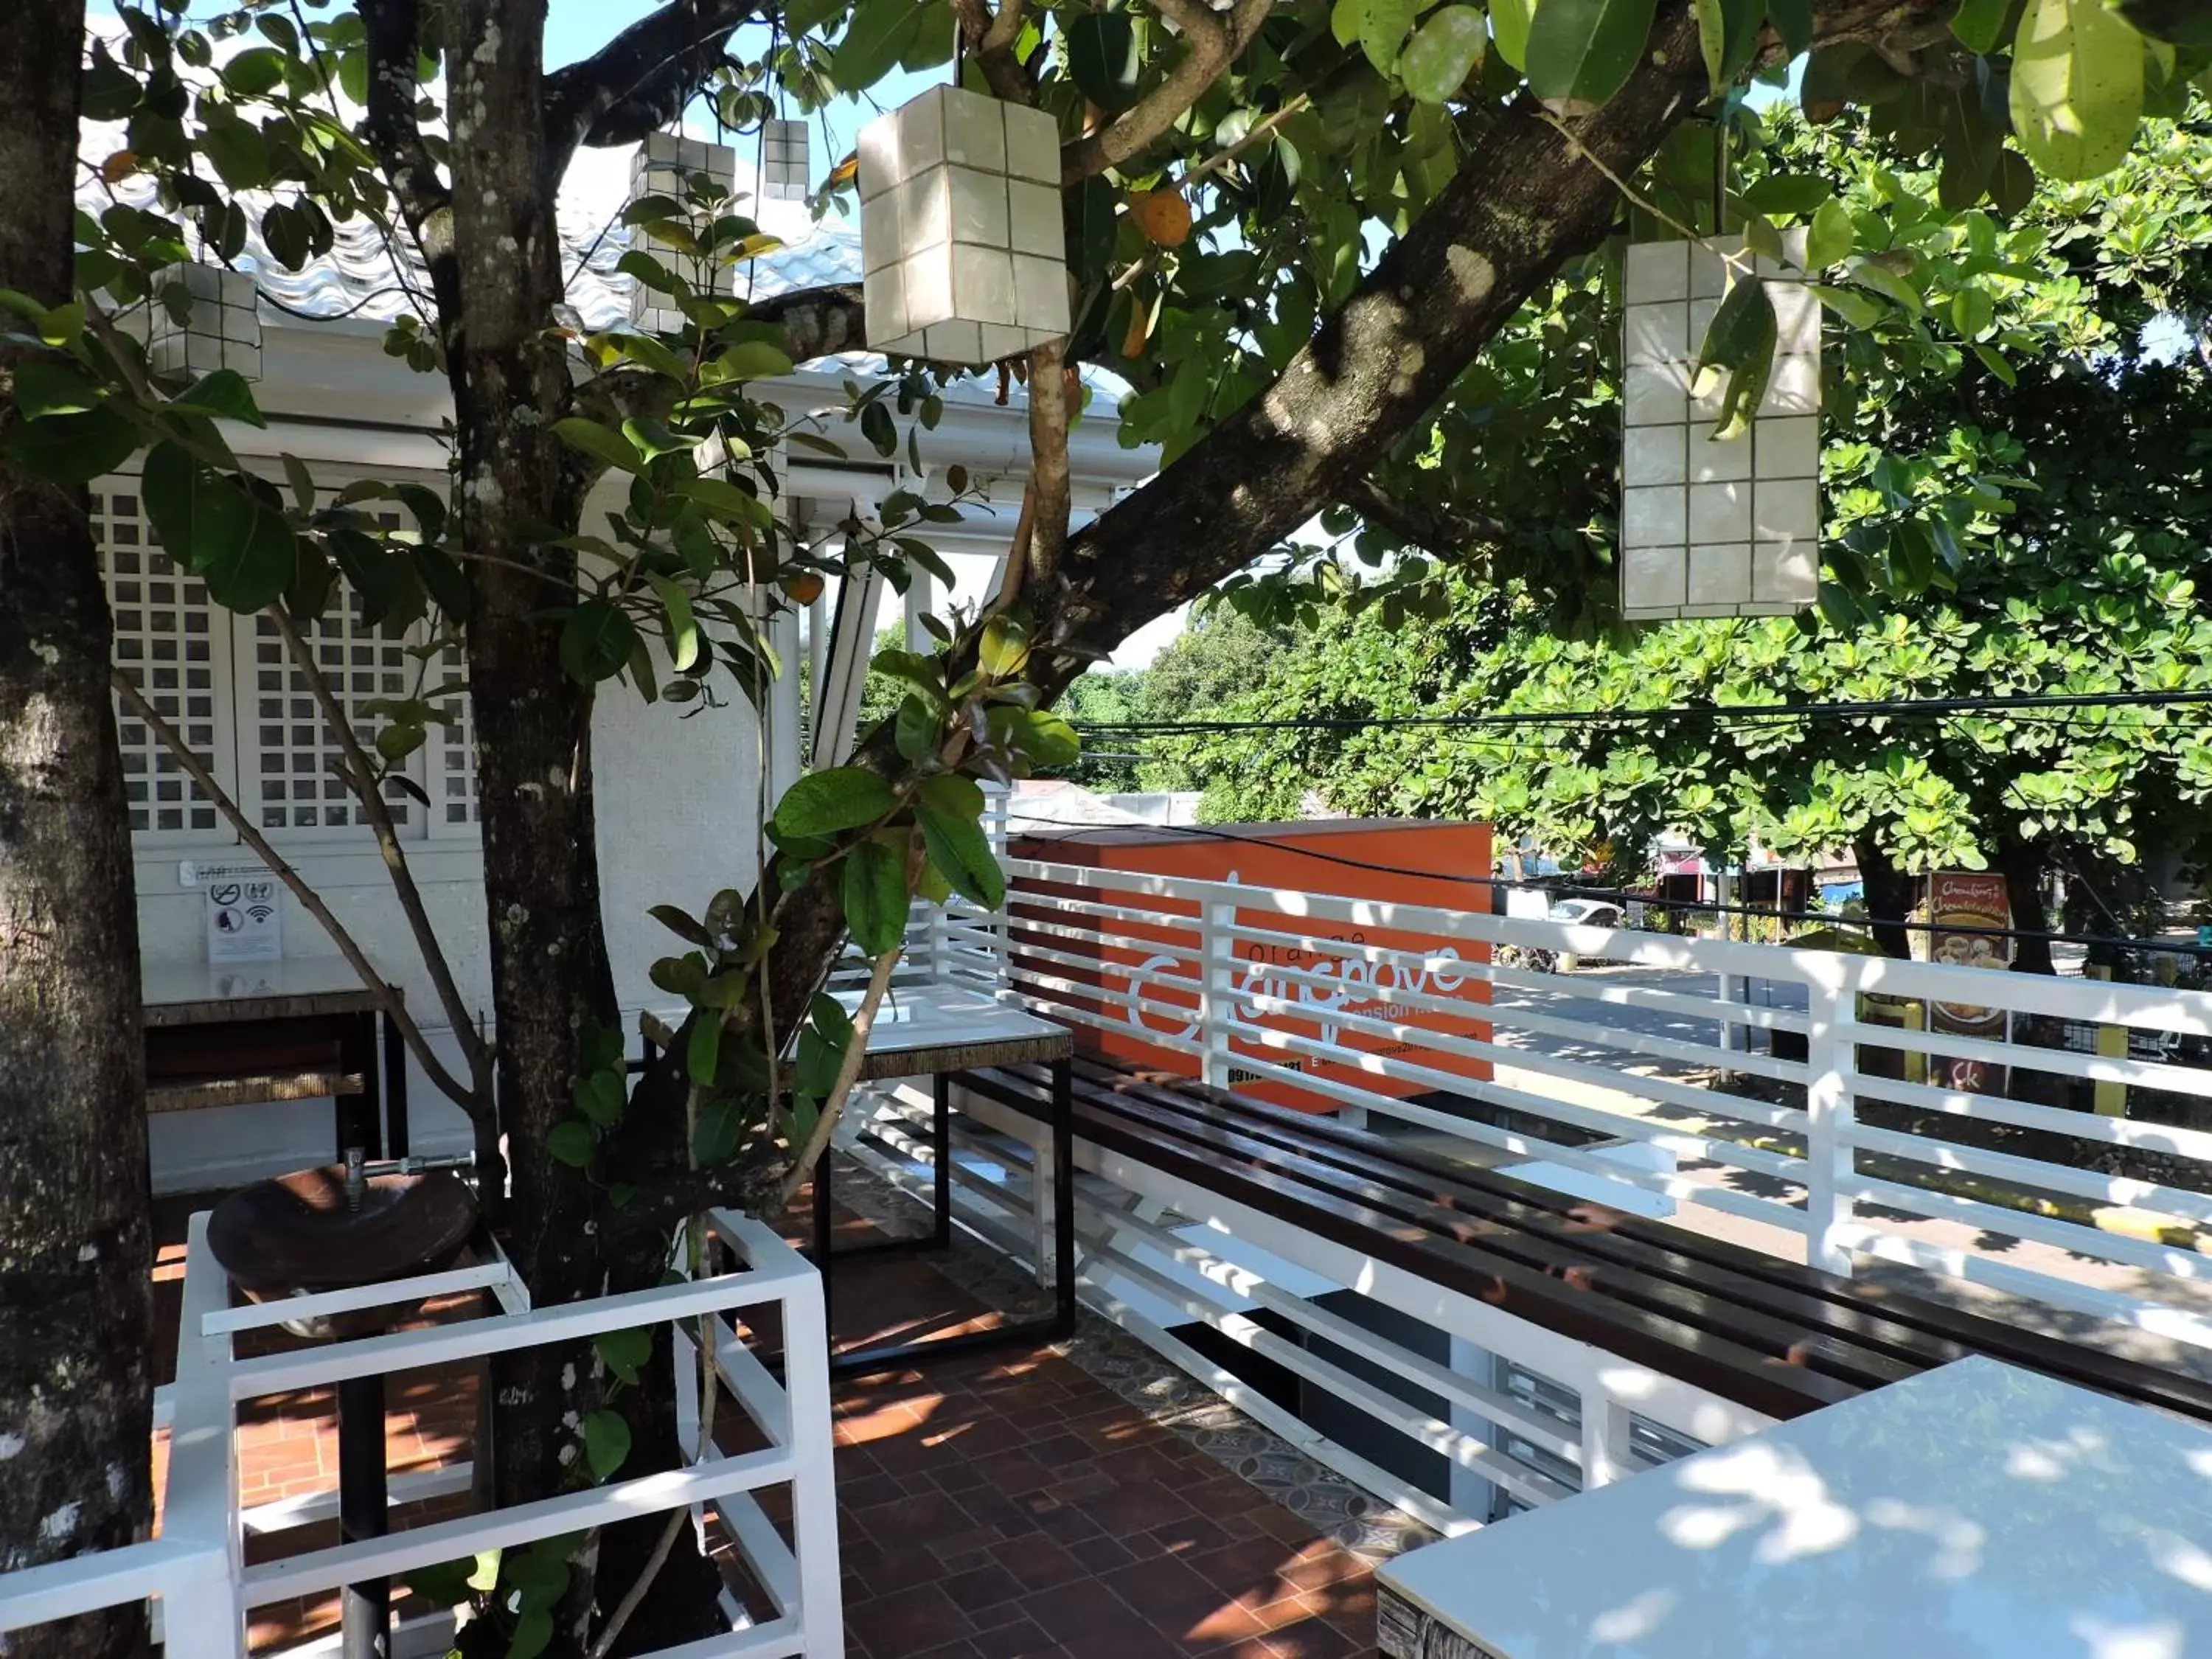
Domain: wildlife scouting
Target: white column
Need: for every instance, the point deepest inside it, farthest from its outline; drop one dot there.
(1831, 1107)
(784, 761)
(921, 596)
(813, 1486)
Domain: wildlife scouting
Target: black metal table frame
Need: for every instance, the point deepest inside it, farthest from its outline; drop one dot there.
(1055, 1327)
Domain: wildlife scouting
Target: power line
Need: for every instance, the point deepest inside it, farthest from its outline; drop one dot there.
(1623, 896)
(1901, 708)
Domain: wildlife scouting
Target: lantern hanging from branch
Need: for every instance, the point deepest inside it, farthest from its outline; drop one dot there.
(668, 164)
(1717, 526)
(961, 237)
(205, 318)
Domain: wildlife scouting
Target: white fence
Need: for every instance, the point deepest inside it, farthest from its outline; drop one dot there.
(1632, 1080)
(195, 1571)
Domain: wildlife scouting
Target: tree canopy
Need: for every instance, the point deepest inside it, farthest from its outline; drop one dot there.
(2024, 524)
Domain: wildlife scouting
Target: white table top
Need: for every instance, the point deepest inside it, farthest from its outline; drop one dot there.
(1975, 1512)
(938, 1016)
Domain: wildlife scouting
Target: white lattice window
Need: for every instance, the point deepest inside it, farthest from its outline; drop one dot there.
(452, 787)
(229, 685)
(173, 643)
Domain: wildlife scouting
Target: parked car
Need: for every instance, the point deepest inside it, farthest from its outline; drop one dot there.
(1587, 913)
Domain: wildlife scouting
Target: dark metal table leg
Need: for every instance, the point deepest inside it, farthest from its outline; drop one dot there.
(360, 1117)
(395, 1089)
(1063, 1195)
(941, 1152)
(365, 1607)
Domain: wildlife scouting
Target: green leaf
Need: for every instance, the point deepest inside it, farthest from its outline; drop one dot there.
(1793, 21)
(960, 852)
(722, 1127)
(2077, 87)
(1581, 52)
(70, 449)
(1831, 238)
(1510, 21)
(1382, 26)
(1855, 309)
(683, 624)
(916, 730)
(1443, 52)
(288, 232)
(2177, 23)
(302, 481)
(571, 1143)
(225, 395)
(830, 1019)
(601, 442)
(596, 640)
(875, 896)
(606, 1442)
(1979, 24)
(1994, 361)
(842, 797)
(625, 1353)
(599, 1098)
(1102, 58)
(1728, 37)
(243, 549)
(45, 386)
(444, 1584)
(1972, 312)
(484, 1578)
(237, 151)
(1005, 647)
(703, 1052)
(753, 360)
(1798, 193)
(880, 32)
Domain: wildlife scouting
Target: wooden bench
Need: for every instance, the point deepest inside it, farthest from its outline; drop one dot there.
(1776, 1338)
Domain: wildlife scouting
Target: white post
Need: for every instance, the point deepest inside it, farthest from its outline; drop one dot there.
(1042, 1174)
(1217, 1001)
(202, 1612)
(1831, 1104)
(813, 1485)
(920, 591)
(1606, 1454)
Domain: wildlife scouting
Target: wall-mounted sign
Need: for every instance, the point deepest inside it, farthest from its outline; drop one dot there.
(244, 914)
(1962, 909)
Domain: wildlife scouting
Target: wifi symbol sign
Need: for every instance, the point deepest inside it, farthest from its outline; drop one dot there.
(259, 914)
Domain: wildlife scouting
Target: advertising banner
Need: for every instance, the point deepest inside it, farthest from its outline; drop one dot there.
(1959, 904)
(1323, 970)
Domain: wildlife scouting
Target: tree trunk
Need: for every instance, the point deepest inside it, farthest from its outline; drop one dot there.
(1892, 897)
(75, 1309)
(2020, 863)
(550, 975)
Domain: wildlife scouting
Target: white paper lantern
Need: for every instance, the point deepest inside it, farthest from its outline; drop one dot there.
(783, 161)
(961, 241)
(1716, 528)
(222, 329)
(662, 167)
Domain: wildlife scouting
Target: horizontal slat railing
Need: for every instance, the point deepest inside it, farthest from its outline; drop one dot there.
(1419, 1014)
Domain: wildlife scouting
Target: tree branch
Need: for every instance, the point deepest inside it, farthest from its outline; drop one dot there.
(1213, 44)
(387, 999)
(992, 41)
(392, 29)
(1436, 530)
(817, 322)
(361, 778)
(639, 81)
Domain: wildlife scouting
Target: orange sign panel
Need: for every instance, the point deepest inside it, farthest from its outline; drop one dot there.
(1326, 988)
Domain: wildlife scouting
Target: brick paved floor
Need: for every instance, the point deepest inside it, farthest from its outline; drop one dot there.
(992, 1506)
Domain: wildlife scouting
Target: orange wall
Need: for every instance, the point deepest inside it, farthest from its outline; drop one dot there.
(1422, 863)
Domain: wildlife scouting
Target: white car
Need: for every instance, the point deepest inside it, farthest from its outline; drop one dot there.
(1586, 913)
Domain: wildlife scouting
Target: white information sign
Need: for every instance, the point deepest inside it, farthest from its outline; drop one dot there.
(244, 914)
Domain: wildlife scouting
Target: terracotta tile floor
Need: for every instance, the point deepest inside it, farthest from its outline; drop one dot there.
(991, 1506)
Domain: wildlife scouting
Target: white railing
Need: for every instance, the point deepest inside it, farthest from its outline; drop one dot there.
(1634, 1083)
(195, 1571)
(1159, 1255)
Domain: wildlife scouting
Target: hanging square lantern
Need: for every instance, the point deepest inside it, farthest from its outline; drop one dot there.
(219, 326)
(1716, 528)
(783, 161)
(663, 166)
(961, 241)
